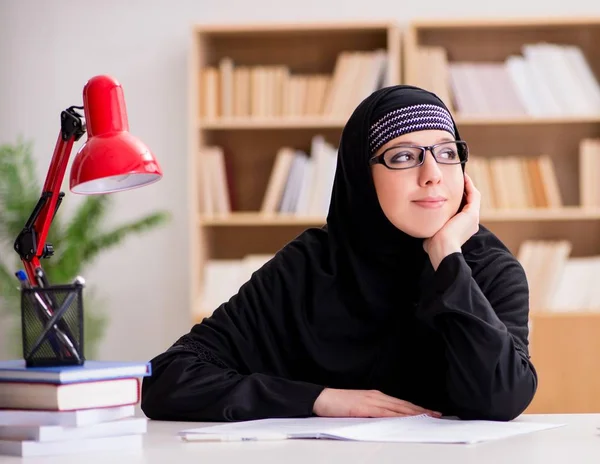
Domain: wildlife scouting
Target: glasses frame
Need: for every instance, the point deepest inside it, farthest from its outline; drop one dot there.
(380, 159)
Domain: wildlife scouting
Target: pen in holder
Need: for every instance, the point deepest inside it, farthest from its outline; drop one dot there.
(52, 324)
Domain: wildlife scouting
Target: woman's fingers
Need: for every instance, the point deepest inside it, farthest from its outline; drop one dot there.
(384, 412)
(401, 406)
(407, 408)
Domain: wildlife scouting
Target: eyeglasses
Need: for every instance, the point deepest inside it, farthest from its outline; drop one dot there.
(411, 156)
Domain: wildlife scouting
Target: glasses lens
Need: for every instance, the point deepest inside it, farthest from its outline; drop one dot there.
(402, 157)
(450, 152)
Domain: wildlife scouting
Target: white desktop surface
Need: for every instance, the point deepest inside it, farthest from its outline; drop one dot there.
(575, 443)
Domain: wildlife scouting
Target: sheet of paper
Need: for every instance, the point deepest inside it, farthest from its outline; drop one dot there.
(424, 429)
(415, 429)
(310, 426)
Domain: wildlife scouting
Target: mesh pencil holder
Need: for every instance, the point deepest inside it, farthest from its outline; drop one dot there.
(52, 325)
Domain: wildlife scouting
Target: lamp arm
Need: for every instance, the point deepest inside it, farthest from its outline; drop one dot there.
(30, 244)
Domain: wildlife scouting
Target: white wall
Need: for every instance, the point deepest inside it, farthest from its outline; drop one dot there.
(48, 50)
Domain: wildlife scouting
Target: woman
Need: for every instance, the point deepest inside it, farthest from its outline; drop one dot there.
(402, 304)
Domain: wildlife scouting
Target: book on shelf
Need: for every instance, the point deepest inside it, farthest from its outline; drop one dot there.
(545, 80)
(70, 409)
(589, 170)
(216, 182)
(515, 182)
(300, 183)
(557, 281)
(228, 90)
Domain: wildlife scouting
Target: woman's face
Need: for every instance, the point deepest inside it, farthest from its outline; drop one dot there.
(419, 200)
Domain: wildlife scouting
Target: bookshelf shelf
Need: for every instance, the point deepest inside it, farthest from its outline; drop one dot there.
(541, 214)
(325, 123)
(272, 123)
(257, 219)
(462, 121)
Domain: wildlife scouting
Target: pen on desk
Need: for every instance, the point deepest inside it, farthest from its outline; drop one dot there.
(208, 437)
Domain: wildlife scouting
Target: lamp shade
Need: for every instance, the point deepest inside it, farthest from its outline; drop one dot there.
(111, 159)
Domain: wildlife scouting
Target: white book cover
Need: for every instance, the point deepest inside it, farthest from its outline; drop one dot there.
(78, 418)
(85, 446)
(538, 74)
(44, 433)
(524, 85)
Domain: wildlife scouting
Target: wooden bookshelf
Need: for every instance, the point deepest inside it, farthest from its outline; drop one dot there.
(564, 345)
(250, 144)
(250, 141)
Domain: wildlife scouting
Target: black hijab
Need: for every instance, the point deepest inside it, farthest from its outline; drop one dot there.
(319, 310)
(378, 265)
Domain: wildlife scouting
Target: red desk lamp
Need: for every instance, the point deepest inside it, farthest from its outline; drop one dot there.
(111, 160)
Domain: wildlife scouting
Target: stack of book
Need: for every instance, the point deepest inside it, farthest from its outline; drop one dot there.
(71, 409)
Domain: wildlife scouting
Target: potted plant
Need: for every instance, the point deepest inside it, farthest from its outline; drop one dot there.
(77, 241)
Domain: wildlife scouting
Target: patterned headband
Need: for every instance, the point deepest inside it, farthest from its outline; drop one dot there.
(409, 119)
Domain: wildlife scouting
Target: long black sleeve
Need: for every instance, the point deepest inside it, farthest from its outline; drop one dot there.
(489, 373)
(184, 386)
(238, 364)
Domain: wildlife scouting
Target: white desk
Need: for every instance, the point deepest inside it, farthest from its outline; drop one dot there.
(576, 443)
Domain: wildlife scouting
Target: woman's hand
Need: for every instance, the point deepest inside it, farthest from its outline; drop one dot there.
(450, 238)
(364, 403)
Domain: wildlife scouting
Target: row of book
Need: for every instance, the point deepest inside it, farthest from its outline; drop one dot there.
(511, 182)
(70, 409)
(547, 80)
(589, 170)
(228, 90)
(300, 182)
(558, 281)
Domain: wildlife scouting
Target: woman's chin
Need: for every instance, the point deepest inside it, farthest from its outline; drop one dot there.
(423, 228)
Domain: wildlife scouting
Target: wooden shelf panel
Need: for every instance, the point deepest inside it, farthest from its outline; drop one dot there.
(256, 219)
(266, 233)
(564, 349)
(541, 214)
(271, 123)
(526, 120)
(507, 23)
(329, 123)
(304, 49)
